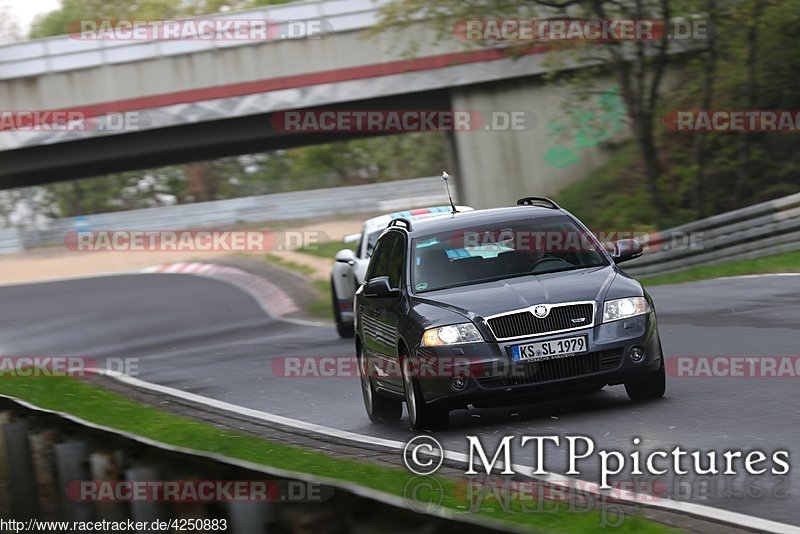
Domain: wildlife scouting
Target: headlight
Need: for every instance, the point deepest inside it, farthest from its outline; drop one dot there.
(451, 334)
(624, 308)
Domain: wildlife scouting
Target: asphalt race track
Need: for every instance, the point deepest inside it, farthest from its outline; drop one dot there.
(210, 338)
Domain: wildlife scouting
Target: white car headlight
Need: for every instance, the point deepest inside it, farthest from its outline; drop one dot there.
(623, 308)
(451, 334)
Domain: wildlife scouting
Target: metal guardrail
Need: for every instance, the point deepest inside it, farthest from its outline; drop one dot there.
(770, 227)
(65, 53)
(378, 197)
(47, 457)
(767, 228)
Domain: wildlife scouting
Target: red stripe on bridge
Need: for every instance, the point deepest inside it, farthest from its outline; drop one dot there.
(299, 80)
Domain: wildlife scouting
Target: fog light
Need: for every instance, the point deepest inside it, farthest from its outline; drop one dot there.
(636, 354)
(458, 383)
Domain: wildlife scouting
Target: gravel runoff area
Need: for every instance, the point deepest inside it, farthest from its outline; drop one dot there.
(59, 262)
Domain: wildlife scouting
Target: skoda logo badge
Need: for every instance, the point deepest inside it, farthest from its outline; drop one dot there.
(540, 311)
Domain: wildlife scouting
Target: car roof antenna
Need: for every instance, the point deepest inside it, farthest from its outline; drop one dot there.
(446, 177)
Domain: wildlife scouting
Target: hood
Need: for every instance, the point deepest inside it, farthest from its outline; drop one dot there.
(491, 298)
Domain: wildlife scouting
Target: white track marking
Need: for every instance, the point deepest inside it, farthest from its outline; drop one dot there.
(748, 276)
(271, 298)
(698, 510)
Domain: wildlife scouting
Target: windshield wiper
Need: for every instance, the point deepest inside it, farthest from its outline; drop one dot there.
(572, 268)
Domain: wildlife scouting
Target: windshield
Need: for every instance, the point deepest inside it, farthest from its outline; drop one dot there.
(528, 247)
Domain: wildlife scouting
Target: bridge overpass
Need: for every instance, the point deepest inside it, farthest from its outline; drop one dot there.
(203, 99)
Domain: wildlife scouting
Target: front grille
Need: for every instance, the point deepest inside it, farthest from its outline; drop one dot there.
(549, 370)
(526, 373)
(492, 381)
(526, 323)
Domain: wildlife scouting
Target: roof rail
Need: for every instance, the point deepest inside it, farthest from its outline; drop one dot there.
(399, 220)
(538, 201)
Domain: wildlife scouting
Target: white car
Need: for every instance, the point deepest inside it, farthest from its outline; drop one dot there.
(348, 271)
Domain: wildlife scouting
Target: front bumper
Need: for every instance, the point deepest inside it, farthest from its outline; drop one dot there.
(492, 377)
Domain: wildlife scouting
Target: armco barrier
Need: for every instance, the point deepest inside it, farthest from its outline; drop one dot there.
(44, 456)
(767, 228)
(329, 202)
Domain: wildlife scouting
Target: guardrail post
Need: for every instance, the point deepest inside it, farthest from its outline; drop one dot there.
(43, 458)
(5, 478)
(20, 470)
(72, 465)
(246, 517)
(145, 511)
(107, 466)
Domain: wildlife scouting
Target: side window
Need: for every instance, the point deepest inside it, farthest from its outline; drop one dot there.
(380, 257)
(387, 260)
(394, 267)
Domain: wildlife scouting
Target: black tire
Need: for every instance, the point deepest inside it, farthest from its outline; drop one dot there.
(652, 386)
(421, 416)
(345, 330)
(379, 409)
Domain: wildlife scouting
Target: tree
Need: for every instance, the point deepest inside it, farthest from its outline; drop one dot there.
(9, 28)
(639, 67)
(56, 22)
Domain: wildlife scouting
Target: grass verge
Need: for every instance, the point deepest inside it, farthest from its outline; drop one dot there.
(328, 249)
(100, 406)
(320, 308)
(777, 263)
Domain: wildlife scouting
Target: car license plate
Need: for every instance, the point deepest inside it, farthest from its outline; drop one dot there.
(550, 350)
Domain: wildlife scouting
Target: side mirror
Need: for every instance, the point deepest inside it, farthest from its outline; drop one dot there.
(351, 238)
(379, 287)
(626, 249)
(346, 256)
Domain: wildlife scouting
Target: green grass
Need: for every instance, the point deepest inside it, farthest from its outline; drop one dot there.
(321, 308)
(327, 249)
(299, 268)
(778, 263)
(95, 404)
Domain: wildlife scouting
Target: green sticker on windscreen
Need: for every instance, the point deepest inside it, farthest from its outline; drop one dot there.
(422, 286)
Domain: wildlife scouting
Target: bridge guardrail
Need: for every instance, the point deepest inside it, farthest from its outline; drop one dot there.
(60, 53)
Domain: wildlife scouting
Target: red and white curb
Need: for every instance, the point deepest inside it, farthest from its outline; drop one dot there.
(272, 299)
